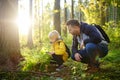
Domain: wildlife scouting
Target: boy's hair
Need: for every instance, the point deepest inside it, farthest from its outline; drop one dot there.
(54, 33)
(73, 23)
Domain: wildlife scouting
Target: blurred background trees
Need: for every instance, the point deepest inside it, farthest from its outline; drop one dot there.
(54, 14)
(44, 16)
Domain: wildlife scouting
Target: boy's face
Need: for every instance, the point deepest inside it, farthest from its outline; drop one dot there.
(52, 39)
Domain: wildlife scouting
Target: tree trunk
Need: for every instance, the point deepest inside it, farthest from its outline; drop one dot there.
(102, 12)
(57, 21)
(30, 40)
(107, 14)
(118, 14)
(72, 9)
(80, 14)
(9, 36)
(65, 19)
(115, 16)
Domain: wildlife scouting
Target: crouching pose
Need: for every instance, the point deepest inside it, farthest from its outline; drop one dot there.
(88, 43)
(59, 53)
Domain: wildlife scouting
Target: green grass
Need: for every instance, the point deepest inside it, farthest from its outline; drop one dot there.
(35, 59)
(110, 68)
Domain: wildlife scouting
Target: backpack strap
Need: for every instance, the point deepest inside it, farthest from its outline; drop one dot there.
(105, 36)
(67, 49)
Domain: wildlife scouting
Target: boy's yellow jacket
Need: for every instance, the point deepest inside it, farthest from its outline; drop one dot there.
(60, 49)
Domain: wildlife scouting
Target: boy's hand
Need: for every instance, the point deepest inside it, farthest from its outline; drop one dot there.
(51, 53)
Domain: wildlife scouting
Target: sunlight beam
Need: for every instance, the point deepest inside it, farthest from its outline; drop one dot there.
(23, 20)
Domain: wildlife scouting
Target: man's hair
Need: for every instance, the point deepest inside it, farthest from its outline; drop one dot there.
(73, 23)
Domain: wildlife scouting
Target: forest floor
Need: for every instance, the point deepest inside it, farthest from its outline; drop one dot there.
(110, 70)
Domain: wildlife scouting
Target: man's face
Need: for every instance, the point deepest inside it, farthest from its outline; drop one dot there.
(74, 30)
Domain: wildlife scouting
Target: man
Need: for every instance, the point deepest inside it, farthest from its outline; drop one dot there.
(91, 44)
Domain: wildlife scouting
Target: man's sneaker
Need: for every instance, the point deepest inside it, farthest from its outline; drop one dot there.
(93, 68)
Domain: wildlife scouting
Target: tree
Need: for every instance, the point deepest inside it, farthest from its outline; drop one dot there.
(80, 14)
(30, 40)
(72, 9)
(57, 21)
(9, 36)
(65, 19)
(102, 12)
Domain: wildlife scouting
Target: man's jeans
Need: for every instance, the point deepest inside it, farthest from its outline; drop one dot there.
(91, 51)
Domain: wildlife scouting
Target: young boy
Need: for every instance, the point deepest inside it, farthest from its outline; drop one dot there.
(58, 53)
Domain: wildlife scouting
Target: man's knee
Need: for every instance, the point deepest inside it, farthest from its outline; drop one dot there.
(91, 47)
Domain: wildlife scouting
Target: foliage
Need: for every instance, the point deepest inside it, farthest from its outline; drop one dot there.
(113, 32)
(35, 59)
(110, 69)
(94, 12)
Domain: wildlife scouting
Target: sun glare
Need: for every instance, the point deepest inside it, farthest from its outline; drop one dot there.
(23, 24)
(23, 20)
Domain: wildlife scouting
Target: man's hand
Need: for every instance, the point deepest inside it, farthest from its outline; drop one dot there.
(78, 57)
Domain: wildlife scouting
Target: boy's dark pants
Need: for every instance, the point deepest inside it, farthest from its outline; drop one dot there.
(58, 59)
(91, 51)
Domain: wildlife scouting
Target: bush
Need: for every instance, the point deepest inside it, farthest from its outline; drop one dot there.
(35, 59)
(113, 33)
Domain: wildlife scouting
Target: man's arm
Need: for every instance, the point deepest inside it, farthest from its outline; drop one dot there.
(74, 45)
(92, 33)
(75, 49)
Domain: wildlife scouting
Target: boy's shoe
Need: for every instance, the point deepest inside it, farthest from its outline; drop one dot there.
(53, 62)
(60, 68)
